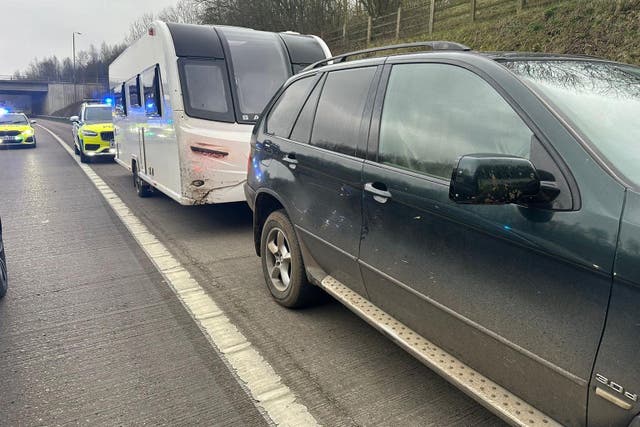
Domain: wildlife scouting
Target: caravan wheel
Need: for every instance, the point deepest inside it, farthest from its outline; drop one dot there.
(142, 188)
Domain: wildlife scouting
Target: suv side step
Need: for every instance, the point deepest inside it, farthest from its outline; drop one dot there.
(489, 394)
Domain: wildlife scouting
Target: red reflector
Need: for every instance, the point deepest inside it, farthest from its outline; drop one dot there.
(152, 32)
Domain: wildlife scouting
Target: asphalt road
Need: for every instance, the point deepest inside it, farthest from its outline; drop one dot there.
(118, 346)
(89, 333)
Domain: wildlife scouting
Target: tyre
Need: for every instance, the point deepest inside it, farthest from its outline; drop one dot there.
(282, 263)
(4, 280)
(83, 157)
(142, 188)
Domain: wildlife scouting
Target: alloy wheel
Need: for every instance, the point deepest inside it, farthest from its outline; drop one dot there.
(278, 257)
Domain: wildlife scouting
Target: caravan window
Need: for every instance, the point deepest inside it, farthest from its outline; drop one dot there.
(118, 101)
(255, 86)
(151, 91)
(205, 89)
(134, 92)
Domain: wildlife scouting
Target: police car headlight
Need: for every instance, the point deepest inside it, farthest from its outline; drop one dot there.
(89, 133)
(28, 132)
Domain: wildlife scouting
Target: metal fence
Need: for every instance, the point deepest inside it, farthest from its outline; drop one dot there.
(417, 17)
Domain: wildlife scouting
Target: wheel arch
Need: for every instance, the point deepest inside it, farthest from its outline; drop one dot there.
(266, 202)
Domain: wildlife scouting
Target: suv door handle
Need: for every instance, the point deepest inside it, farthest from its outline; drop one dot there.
(291, 159)
(379, 191)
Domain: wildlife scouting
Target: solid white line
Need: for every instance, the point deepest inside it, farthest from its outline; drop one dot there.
(273, 398)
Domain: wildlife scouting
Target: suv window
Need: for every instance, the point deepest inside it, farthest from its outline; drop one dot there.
(98, 114)
(302, 129)
(340, 109)
(286, 110)
(435, 113)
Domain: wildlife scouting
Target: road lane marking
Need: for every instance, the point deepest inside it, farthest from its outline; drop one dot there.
(275, 401)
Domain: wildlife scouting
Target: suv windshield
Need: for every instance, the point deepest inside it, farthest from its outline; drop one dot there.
(97, 114)
(13, 119)
(602, 99)
(255, 85)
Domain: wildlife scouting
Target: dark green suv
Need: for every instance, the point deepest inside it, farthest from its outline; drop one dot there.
(481, 209)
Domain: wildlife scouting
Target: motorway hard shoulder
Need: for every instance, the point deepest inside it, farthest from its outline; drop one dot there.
(89, 333)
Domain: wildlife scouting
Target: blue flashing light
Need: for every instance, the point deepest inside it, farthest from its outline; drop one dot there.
(506, 227)
(3, 111)
(108, 100)
(150, 106)
(256, 169)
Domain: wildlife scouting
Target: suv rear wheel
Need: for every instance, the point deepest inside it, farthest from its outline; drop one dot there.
(282, 263)
(4, 280)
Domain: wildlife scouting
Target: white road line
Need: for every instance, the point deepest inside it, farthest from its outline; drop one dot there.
(273, 398)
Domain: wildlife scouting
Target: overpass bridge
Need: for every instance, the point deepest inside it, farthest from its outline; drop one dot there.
(42, 97)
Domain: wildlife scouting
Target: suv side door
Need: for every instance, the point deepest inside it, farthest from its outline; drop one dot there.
(315, 168)
(518, 293)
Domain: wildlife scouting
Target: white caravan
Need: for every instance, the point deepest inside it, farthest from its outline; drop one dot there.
(185, 101)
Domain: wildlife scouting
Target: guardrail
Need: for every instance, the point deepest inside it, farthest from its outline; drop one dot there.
(100, 81)
(53, 118)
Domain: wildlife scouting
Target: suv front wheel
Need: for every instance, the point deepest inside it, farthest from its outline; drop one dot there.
(282, 263)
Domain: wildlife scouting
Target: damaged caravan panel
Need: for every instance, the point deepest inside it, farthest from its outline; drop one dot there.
(186, 98)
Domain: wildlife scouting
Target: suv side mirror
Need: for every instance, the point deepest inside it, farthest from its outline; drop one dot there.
(74, 119)
(33, 122)
(493, 179)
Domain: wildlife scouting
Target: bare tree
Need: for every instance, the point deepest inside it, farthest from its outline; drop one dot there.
(185, 11)
(308, 16)
(139, 27)
(379, 7)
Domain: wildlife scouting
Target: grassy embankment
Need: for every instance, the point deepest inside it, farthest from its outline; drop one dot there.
(592, 27)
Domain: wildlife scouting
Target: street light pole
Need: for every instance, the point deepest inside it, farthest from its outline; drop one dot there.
(75, 93)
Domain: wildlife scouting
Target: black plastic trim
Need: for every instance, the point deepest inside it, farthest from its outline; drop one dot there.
(196, 41)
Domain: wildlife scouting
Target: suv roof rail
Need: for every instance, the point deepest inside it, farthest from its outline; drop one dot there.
(434, 45)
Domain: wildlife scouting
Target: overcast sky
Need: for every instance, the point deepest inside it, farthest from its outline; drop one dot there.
(40, 28)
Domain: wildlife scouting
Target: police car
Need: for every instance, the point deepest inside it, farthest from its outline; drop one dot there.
(93, 131)
(16, 130)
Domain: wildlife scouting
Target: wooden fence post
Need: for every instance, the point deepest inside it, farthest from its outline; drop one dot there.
(346, 20)
(398, 17)
(369, 23)
(432, 15)
(522, 4)
(473, 10)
